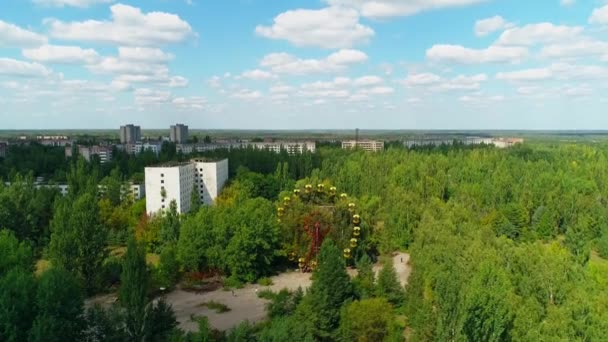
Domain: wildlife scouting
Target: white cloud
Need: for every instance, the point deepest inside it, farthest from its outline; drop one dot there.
(541, 33)
(14, 36)
(556, 71)
(395, 8)
(144, 54)
(116, 65)
(462, 82)
(367, 81)
(579, 48)
(381, 90)
(421, 79)
(490, 25)
(178, 82)
(73, 3)
(332, 28)
(280, 89)
(283, 63)
(539, 74)
(146, 96)
(567, 2)
(599, 16)
(61, 54)
(258, 75)
(194, 102)
(13, 67)
(462, 55)
(215, 82)
(128, 27)
(246, 94)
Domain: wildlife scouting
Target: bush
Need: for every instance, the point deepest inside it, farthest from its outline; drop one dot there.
(266, 281)
(266, 294)
(233, 283)
(218, 307)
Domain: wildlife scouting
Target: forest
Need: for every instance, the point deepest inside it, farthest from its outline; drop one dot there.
(504, 244)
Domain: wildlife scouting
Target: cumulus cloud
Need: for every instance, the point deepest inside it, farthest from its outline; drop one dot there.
(487, 26)
(421, 79)
(331, 28)
(283, 63)
(462, 55)
(527, 75)
(129, 27)
(247, 94)
(143, 54)
(437, 83)
(73, 3)
(540, 33)
(194, 102)
(556, 71)
(13, 67)
(396, 8)
(14, 36)
(599, 16)
(61, 54)
(567, 2)
(367, 81)
(579, 48)
(258, 75)
(146, 96)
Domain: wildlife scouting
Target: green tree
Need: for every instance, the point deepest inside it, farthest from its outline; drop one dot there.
(78, 240)
(60, 308)
(133, 291)
(17, 304)
(364, 281)
(388, 285)
(488, 312)
(368, 320)
(14, 254)
(577, 241)
(602, 244)
(168, 268)
(330, 289)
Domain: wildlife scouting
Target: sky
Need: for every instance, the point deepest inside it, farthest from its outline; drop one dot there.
(315, 64)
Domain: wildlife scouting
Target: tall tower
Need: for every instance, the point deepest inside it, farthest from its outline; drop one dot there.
(130, 134)
(178, 134)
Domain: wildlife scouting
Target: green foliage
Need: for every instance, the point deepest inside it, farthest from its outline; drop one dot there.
(244, 332)
(388, 285)
(330, 289)
(368, 320)
(133, 290)
(78, 240)
(17, 304)
(168, 269)
(488, 311)
(577, 241)
(265, 281)
(602, 244)
(364, 281)
(216, 306)
(14, 254)
(60, 305)
(282, 303)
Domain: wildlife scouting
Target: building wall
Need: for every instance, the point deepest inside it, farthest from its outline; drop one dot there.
(178, 133)
(366, 145)
(130, 134)
(206, 178)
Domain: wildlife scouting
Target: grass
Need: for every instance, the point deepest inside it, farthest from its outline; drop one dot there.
(266, 281)
(266, 294)
(217, 307)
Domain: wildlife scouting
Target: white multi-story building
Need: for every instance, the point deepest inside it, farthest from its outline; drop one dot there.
(177, 182)
(139, 147)
(103, 152)
(130, 134)
(365, 145)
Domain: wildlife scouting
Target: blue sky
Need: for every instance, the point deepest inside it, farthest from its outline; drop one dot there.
(276, 64)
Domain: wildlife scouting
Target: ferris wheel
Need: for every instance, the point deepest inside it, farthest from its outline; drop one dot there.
(310, 215)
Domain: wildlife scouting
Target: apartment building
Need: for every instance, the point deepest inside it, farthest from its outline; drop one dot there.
(292, 147)
(130, 134)
(3, 149)
(102, 151)
(177, 181)
(366, 145)
(139, 147)
(178, 134)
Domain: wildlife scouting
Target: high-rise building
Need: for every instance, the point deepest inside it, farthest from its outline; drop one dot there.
(179, 134)
(130, 134)
(102, 151)
(3, 149)
(177, 182)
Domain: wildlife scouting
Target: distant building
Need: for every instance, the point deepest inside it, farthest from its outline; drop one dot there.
(139, 147)
(130, 134)
(291, 147)
(3, 149)
(177, 181)
(54, 140)
(103, 152)
(448, 141)
(178, 134)
(365, 145)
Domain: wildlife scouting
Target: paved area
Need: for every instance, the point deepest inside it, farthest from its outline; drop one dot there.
(244, 303)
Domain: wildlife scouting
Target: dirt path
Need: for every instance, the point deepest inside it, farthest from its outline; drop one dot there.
(245, 304)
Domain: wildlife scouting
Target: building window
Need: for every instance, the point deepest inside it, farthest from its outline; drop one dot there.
(163, 206)
(162, 175)
(162, 200)
(162, 181)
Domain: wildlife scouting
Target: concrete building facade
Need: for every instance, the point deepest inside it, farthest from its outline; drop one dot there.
(139, 147)
(177, 181)
(103, 152)
(178, 134)
(366, 145)
(3, 149)
(130, 134)
(292, 147)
